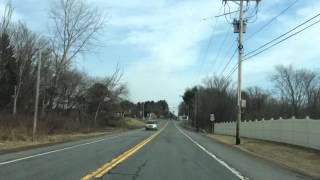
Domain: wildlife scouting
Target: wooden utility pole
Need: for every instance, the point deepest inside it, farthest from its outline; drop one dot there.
(142, 110)
(240, 51)
(196, 110)
(15, 97)
(239, 27)
(36, 103)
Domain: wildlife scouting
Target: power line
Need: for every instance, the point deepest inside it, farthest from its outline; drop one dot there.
(294, 34)
(282, 35)
(255, 14)
(220, 48)
(235, 67)
(229, 61)
(225, 14)
(278, 42)
(253, 34)
(271, 20)
(204, 56)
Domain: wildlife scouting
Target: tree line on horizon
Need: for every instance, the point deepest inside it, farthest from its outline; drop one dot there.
(145, 109)
(295, 92)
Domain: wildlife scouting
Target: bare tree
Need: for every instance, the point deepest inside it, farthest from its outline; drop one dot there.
(6, 18)
(309, 83)
(105, 91)
(71, 81)
(25, 44)
(76, 26)
(256, 102)
(295, 86)
(114, 85)
(314, 106)
(217, 83)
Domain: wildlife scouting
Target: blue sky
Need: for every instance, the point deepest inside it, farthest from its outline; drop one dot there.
(164, 47)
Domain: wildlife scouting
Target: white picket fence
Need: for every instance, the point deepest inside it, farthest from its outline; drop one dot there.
(302, 132)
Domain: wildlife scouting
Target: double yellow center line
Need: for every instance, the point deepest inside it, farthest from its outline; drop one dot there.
(104, 169)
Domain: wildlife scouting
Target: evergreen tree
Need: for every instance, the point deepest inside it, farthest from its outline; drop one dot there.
(8, 67)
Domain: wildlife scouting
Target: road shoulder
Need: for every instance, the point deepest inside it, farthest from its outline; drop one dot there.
(251, 166)
(50, 140)
(45, 140)
(301, 160)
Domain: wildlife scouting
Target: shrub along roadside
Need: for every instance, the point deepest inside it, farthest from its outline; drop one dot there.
(15, 132)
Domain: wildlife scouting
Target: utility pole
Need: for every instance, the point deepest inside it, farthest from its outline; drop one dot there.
(143, 111)
(35, 117)
(15, 97)
(240, 50)
(105, 99)
(196, 109)
(240, 28)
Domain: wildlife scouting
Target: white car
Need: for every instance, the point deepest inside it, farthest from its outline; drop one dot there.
(151, 125)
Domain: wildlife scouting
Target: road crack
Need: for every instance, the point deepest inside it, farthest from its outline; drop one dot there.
(139, 168)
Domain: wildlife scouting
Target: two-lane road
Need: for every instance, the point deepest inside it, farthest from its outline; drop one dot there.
(68, 160)
(173, 154)
(170, 156)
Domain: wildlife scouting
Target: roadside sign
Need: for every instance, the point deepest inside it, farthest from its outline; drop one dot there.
(212, 118)
(243, 103)
(106, 99)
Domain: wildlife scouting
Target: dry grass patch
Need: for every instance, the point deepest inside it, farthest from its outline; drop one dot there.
(126, 123)
(301, 159)
(16, 134)
(134, 123)
(6, 146)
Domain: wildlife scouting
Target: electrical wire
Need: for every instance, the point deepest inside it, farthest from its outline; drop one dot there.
(204, 56)
(271, 20)
(220, 47)
(256, 32)
(255, 15)
(229, 13)
(294, 34)
(234, 53)
(235, 67)
(282, 35)
(278, 42)
(229, 61)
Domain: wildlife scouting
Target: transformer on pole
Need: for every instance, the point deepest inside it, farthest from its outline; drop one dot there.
(240, 27)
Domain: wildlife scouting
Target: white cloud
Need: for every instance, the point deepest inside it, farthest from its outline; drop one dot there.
(172, 35)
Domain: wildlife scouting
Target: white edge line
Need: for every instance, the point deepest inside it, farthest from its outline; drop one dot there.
(233, 170)
(57, 150)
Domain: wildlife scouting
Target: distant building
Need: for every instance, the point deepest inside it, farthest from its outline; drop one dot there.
(183, 118)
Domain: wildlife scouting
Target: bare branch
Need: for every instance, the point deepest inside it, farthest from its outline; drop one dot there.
(6, 18)
(76, 26)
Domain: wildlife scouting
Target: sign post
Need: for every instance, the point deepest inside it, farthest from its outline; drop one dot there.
(212, 119)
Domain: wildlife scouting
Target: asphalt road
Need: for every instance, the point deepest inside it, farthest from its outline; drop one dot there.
(175, 154)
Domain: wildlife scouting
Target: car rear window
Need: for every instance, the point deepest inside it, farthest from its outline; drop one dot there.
(151, 122)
